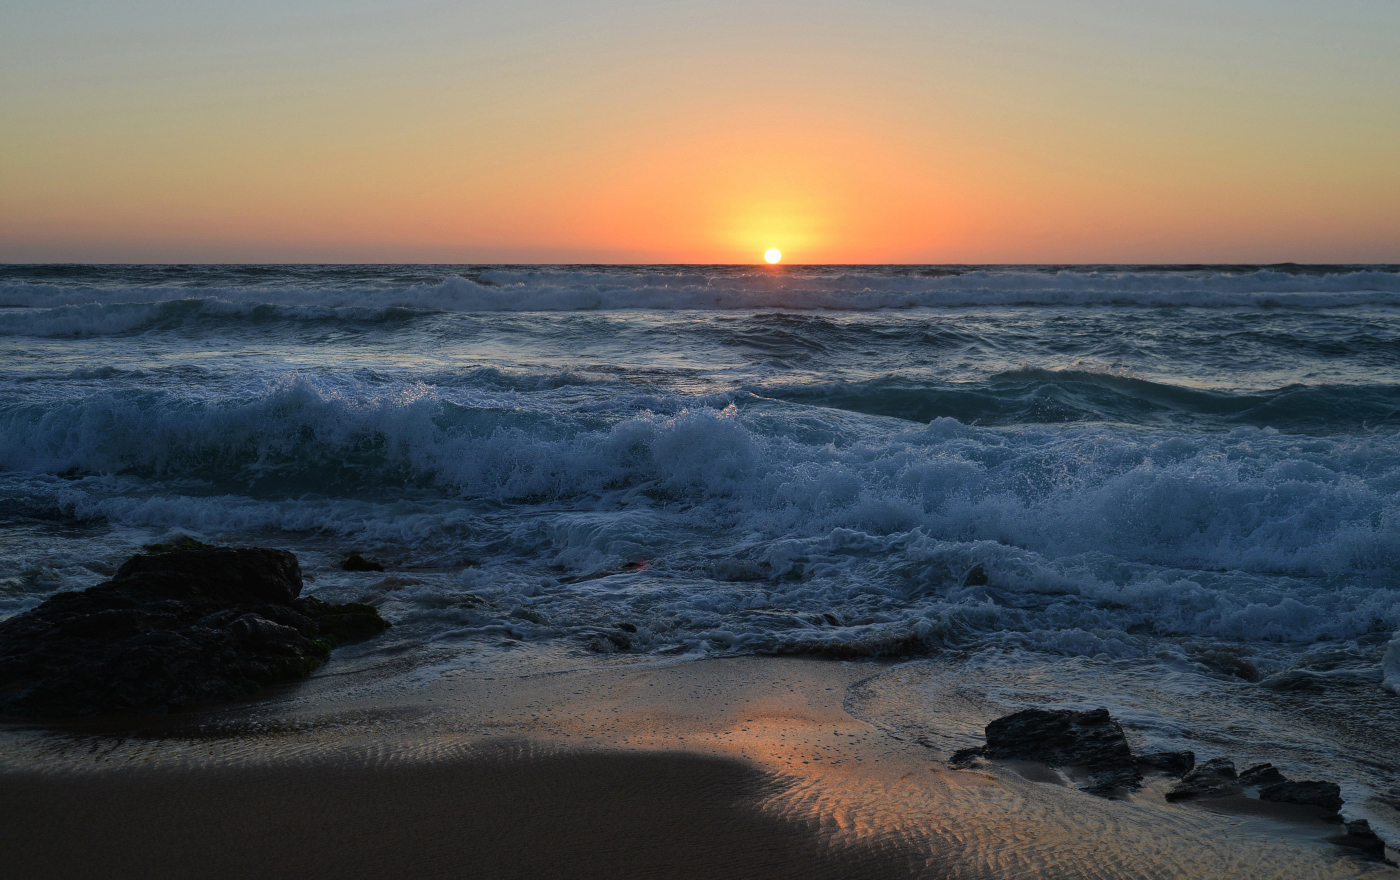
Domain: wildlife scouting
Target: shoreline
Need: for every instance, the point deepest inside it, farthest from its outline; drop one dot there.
(728, 767)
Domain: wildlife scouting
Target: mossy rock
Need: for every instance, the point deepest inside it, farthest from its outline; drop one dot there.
(296, 667)
(345, 623)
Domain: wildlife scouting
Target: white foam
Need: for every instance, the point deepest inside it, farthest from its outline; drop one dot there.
(1092, 536)
(1390, 666)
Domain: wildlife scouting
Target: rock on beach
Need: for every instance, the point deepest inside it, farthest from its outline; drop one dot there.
(1094, 743)
(172, 629)
(1090, 740)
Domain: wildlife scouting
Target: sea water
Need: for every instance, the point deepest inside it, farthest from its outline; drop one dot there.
(1174, 491)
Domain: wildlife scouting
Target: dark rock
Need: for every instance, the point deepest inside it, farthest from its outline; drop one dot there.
(394, 582)
(1171, 763)
(1063, 738)
(621, 640)
(976, 576)
(347, 622)
(966, 757)
(248, 575)
(1263, 774)
(610, 642)
(356, 562)
(1215, 778)
(627, 627)
(182, 542)
(1360, 836)
(1327, 795)
(172, 628)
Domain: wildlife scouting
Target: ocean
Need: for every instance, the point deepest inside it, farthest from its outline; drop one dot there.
(1171, 491)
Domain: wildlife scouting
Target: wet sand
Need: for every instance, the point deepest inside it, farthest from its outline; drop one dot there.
(741, 767)
(517, 814)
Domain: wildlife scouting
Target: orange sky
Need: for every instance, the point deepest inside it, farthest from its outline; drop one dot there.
(701, 132)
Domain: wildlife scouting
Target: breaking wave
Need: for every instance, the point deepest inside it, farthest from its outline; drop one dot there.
(1089, 536)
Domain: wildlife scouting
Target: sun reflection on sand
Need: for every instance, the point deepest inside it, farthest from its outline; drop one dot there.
(857, 782)
(861, 783)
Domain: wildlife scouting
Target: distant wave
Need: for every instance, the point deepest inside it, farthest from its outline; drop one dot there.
(83, 307)
(119, 317)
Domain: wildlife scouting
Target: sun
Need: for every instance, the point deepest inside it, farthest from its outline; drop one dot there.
(773, 255)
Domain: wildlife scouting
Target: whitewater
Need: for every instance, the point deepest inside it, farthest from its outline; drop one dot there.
(1151, 488)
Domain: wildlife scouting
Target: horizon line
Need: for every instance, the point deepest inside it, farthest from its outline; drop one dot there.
(778, 267)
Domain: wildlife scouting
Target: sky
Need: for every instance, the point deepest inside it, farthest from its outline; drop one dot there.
(939, 131)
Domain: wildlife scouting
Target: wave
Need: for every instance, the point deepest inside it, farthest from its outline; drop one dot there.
(117, 318)
(1251, 498)
(81, 308)
(764, 527)
(1040, 396)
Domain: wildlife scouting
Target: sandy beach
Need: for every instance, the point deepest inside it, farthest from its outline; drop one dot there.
(742, 767)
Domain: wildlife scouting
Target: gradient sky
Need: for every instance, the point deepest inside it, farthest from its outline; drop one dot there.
(582, 131)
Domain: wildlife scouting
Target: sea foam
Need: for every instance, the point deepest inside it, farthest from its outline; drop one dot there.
(1088, 534)
(1390, 666)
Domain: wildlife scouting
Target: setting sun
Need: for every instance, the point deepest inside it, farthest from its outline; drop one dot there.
(773, 255)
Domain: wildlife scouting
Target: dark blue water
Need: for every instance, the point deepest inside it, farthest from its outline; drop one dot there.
(1150, 465)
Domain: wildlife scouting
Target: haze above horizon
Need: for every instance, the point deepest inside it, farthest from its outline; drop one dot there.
(961, 132)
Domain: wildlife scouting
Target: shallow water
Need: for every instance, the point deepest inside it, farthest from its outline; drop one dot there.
(1176, 479)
